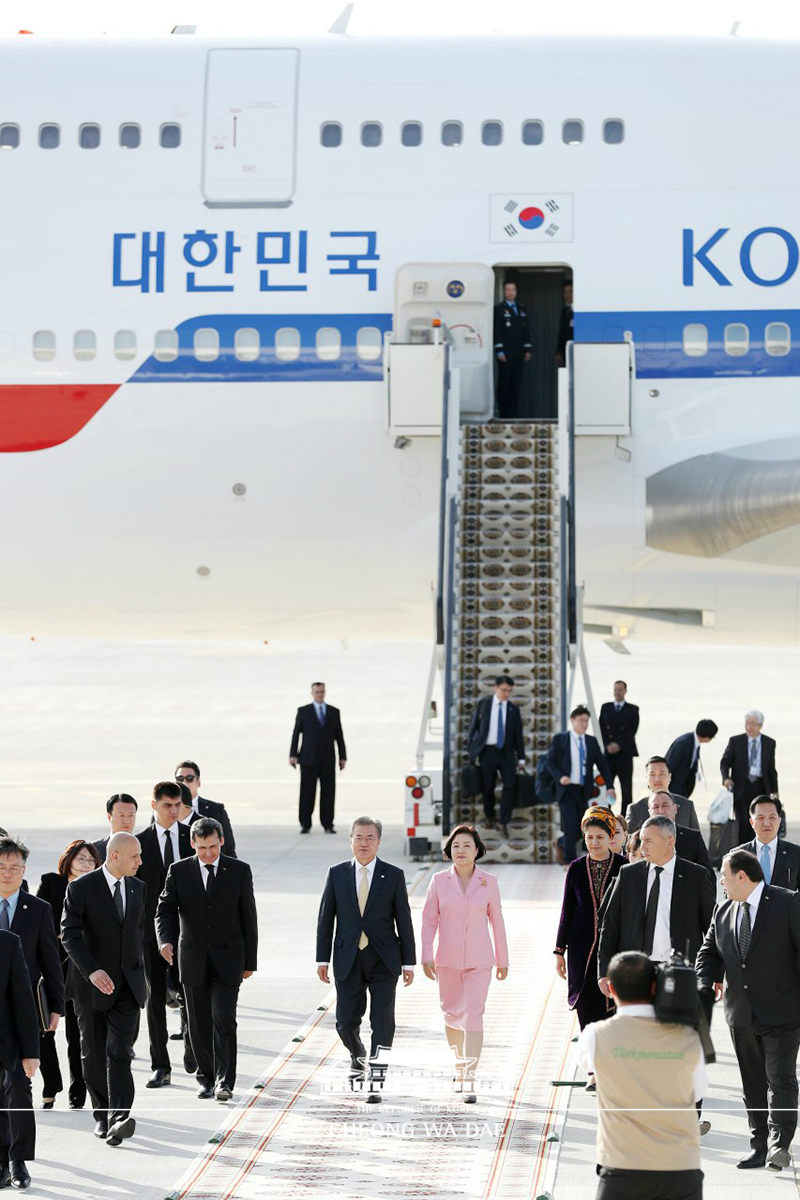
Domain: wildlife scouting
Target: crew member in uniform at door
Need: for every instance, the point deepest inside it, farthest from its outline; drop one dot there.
(316, 737)
(512, 348)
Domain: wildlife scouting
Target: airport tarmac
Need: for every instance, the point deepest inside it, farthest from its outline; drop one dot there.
(79, 720)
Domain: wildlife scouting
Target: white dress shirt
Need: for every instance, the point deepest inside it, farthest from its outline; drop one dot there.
(587, 1043)
(575, 759)
(662, 943)
(357, 874)
(752, 901)
(491, 738)
(754, 771)
(112, 882)
(172, 834)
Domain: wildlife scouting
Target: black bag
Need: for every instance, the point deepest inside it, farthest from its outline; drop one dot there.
(525, 791)
(545, 785)
(471, 783)
(42, 1006)
(722, 838)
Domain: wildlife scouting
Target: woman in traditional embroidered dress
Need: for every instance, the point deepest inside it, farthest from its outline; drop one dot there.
(588, 880)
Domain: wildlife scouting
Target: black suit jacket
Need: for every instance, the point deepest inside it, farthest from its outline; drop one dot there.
(786, 872)
(314, 744)
(386, 920)
(690, 846)
(767, 986)
(95, 938)
(559, 762)
(223, 928)
(679, 760)
(512, 332)
(101, 846)
(735, 763)
(620, 727)
(513, 743)
(153, 872)
(33, 924)
(639, 811)
(213, 808)
(53, 889)
(622, 913)
(19, 1024)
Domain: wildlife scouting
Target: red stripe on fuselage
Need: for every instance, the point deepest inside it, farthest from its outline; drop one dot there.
(36, 416)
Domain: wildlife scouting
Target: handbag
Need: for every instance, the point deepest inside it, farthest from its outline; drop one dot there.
(42, 1007)
(471, 783)
(722, 838)
(525, 791)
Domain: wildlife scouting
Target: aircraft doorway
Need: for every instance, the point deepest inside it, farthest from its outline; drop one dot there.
(540, 290)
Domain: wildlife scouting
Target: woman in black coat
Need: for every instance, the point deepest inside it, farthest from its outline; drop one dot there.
(78, 859)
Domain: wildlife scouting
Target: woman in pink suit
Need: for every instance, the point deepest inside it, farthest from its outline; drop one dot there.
(461, 904)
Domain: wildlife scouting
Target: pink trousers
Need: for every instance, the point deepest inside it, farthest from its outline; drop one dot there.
(462, 995)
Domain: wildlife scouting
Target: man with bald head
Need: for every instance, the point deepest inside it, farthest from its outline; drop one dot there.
(689, 843)
(102, 932)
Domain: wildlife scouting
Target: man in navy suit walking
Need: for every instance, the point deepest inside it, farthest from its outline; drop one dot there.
(495, 743)
(571, 760)
(317, 729)
(365, 905)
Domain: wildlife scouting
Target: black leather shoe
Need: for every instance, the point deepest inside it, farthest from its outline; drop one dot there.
(222, 1093)
(77, 1103)
(777, 1158)
(329, 829)
(19, 1174)
(5, 1176)
(48, 1104)
(119, 1130)
(503, 830)
(373, 1098)
(176, 1037)
(160, 1078)
(304, 830)
(758, 1158)
(101, 1129)
(206, 1092)
(190, 1064)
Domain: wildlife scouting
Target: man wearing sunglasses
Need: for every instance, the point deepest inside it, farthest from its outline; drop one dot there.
(188, 773)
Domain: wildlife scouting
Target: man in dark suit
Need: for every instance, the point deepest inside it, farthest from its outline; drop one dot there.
(571, 761)
(496, 744)
(102, 932)
(164, 842)
(566, 326)
(683, 756)
(657, 905)
(659, 779)
(689, 843)
(188, 774)
(780, 860)
(121, 812)
(619, 721)
(748, 768)
(207, 909)
(32, 921)
(19, 1033)
(754, 944)
(512, 348)
(317, 731)
(365, 916)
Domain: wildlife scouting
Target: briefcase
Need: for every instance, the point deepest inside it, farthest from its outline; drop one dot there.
(471, 784)
(42, 1007)
(525, 791)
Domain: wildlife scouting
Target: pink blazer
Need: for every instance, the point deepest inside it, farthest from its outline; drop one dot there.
(462, 920)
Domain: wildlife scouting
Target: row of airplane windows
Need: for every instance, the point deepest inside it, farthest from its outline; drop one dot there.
(451, 133)
(247, 345)
(736, 339)
(89, 135)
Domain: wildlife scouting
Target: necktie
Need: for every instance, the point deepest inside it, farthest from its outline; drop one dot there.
(501, 728)
(321, 714)
(766, 863)
(363, 893)
(582, 759)
(651, 912)
(753, 758)
(169, 853)
(4, 924)
(118, 900)
(744, 931)
(212, 879)
(617, 707)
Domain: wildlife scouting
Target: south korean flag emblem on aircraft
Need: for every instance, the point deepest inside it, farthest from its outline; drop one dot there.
(530, 217)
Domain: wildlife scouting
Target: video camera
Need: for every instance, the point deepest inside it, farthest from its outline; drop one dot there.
(677, 1001)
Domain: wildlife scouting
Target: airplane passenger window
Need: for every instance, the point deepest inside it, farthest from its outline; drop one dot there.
(206, 345)
(532, 133)
(89, 137)
(246, 345)
(330, 135)
(737, 339)
(369, 343)
(613, 132)
(166, 345)
(9, 137)
(777, 338)
(572, 133)
(130, 137)
(452, 133)
(125, 344)
(84, 345)
(492, 133)
(287, 344)
(44, 345)
(371, 133)
(695, 340)
(170, 136)
(49, 137)
(329, 343)
(411, 133)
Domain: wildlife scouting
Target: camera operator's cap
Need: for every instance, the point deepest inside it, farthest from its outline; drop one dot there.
(601, 814)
